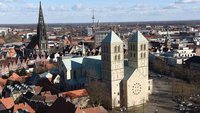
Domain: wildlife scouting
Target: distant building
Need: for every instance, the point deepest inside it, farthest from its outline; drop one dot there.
(99, 36)
(178, 56)
(90, 31)
(4, 31)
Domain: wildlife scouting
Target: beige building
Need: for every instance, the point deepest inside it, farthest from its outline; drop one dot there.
(127, 79)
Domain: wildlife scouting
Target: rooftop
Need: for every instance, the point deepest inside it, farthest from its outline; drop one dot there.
(8, 102)
(76, 93)
(138, 37)
(112, 38)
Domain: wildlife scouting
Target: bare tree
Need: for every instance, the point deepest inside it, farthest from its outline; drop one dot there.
(99, 94)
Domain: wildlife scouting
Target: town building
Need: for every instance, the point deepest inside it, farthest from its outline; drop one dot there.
(99, 36)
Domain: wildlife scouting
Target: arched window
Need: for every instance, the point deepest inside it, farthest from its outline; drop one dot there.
(141, 47)
(115, 49)
(130, 46)
(115, 57)
(118, 48)
(144, 55)
(144, 46)
(141, 55)
(119, 57)
(133, 47)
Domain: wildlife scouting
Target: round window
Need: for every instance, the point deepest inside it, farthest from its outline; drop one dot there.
(136, 88)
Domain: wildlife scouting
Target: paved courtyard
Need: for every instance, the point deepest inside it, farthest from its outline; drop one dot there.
(161, 99)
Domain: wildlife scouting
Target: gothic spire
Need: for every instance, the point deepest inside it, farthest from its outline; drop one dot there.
(41, 31)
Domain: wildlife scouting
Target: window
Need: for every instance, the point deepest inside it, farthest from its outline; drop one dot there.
(130, 47)
(133, 47)
(118, 48)
(115, 57)
(134, 55)
(144, 46)
(115, 49)
(144, 55)
(119, 57)
(130, 54)
(141, 47)
(141, 55)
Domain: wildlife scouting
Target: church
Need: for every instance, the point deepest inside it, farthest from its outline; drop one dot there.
(127, 79)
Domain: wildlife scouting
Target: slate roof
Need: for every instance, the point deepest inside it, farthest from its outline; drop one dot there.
(38, 98)
(91, 62)
(61, 106)
(28, 95)
(112, 38)
(2, 107)
(194, 59)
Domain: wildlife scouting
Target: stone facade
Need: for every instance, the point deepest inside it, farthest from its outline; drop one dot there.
(127, 80)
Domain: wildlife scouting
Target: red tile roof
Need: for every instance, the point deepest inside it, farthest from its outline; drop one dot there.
(75, 93)
(98, 109)
(8, 102)
(14, 77)
(23, 106)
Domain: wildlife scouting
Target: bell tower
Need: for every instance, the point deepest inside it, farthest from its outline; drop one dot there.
(138, 52)
(112, 66)
(41, 33)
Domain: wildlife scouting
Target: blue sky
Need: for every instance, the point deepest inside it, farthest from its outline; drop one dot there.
(73, 11)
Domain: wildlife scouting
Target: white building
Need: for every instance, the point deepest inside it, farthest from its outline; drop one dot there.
(4, 31)
(127, 80)
(178, 56)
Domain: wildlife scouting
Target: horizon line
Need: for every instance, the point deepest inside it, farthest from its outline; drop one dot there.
(103, 22)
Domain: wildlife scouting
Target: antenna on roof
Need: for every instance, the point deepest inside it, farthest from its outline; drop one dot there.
(93, 18)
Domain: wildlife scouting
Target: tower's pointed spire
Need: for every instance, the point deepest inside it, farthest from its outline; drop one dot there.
(41, 31)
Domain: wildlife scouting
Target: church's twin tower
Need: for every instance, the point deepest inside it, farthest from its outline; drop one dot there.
(128, 84)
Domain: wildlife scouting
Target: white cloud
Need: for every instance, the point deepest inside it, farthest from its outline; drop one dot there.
(77, 7)
(186, 1)
(172, 6)
(57, 8)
